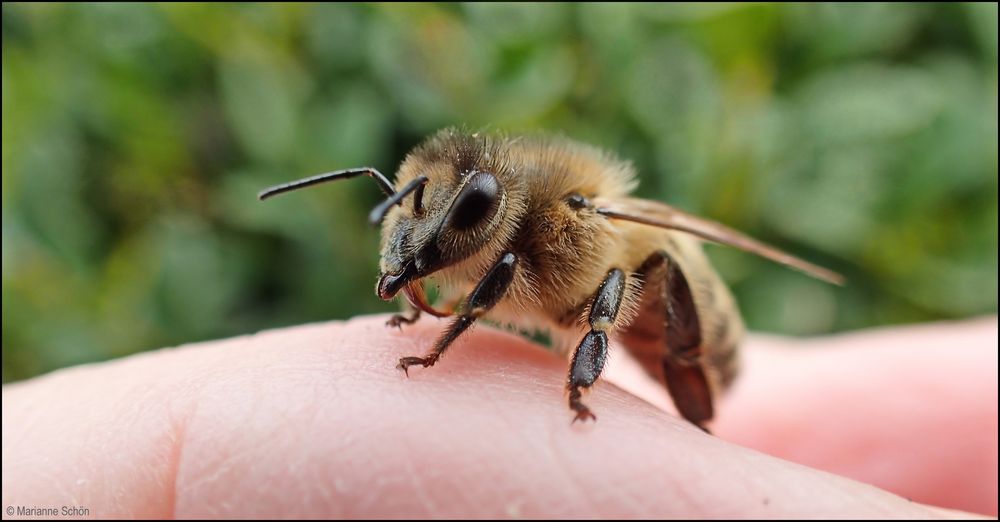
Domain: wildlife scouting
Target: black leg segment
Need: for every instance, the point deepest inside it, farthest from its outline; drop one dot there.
(669, 317)
(588, 361)
(485, 296)
(590, 355)
(398, 320)
(688, 386)
(607, 301)
(682, 367)
(683, 325)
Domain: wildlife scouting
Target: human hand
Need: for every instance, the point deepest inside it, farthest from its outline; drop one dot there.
(316, 421)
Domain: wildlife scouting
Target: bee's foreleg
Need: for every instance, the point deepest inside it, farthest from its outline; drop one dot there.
(485, 296)
(589, 357)
(397, 320)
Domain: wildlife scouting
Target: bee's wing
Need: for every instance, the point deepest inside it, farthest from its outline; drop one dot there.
(661, 215)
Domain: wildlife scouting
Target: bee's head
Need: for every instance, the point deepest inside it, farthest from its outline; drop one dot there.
(455, 200)
(456, 205)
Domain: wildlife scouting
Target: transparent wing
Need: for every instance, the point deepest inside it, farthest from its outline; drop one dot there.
(656, 214)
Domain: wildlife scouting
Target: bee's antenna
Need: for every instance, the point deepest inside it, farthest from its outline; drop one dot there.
(330, 176)
(382, 208)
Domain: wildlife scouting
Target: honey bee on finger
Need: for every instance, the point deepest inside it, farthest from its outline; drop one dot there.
(541, 233)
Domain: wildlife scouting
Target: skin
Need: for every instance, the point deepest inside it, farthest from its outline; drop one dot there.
(315, 421)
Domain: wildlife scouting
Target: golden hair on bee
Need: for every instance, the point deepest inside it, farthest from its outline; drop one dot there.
(540, 233)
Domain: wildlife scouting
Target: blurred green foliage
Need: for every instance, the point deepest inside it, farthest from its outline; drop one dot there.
(135, 137)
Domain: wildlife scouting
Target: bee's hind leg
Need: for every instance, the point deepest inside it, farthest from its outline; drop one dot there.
(670, 301)
(590, 355)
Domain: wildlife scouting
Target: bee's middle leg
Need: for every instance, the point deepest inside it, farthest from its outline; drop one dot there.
(485, 296)
(590, 355)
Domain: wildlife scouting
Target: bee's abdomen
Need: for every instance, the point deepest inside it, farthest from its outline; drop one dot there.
(721, 348)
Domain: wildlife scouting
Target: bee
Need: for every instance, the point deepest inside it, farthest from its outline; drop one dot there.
(540, 233)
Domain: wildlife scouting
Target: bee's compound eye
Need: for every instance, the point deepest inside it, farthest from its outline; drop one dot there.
(477, 202)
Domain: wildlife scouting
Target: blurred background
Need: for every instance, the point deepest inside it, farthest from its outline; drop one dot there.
(135, 138)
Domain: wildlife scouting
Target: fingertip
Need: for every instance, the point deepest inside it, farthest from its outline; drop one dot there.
(908, 409)
(317, 421)
(485, 431)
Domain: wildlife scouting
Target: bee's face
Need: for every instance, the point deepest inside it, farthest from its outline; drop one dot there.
(457, 218)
